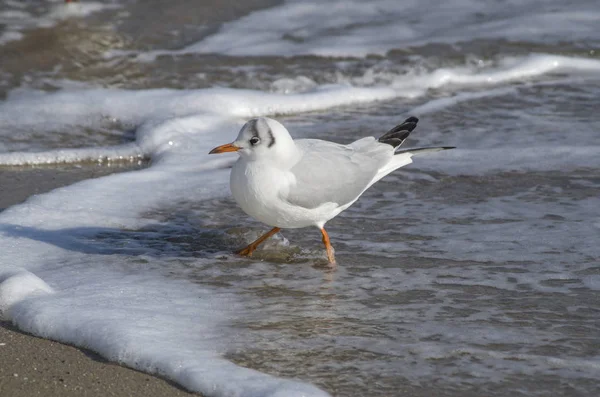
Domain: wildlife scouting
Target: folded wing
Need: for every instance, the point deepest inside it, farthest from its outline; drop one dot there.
(329, 172)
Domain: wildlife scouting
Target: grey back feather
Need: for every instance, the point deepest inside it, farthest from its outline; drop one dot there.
(329, 172)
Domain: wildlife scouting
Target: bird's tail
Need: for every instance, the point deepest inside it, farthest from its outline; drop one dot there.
(404, 157)
(399, 133)
(422, 150)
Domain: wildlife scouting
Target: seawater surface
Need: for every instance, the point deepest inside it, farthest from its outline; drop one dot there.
(474, 271)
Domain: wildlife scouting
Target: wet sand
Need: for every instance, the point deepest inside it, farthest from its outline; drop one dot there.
(32, 366)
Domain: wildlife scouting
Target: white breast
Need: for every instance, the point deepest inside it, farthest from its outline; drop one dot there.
(257, 187)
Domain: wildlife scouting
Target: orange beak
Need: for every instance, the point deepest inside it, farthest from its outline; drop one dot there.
(228, 147)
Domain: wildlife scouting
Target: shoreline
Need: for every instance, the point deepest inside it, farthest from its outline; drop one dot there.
(33, 366)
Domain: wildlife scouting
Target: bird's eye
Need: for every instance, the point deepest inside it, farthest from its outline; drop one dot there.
(254, 140)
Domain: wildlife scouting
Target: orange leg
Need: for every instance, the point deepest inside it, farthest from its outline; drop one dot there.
(250, 248)
(328, 247)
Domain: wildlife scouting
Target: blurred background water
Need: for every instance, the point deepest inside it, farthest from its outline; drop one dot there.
(467, 273)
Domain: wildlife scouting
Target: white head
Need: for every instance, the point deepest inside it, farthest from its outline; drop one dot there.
(263, 139)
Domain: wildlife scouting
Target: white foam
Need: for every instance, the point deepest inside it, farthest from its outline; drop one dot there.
(359, 28)
(180, 111)
(508, 69)
(151, 323)
(17, 286)
(9, 36)
(18, 18)
(79, 9)
(172, 328)
(126, 153)
(438, 104)
(165, 116)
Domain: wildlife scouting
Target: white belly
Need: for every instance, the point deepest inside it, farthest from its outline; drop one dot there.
(258, 188)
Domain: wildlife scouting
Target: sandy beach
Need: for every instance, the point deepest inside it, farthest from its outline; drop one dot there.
(32, 366)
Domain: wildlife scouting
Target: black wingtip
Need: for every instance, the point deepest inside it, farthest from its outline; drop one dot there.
(399, 133)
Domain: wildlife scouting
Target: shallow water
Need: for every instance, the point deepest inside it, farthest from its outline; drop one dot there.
(470, 272)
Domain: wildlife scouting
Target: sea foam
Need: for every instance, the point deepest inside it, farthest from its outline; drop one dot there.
(358, 28)
(18, 18)
(164, 116)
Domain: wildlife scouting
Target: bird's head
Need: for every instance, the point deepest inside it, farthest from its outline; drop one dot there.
(262, 139)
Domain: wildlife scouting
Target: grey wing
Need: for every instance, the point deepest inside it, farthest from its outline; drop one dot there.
(329, 172)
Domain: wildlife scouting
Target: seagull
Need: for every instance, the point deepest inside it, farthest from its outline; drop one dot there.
(287, 183)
